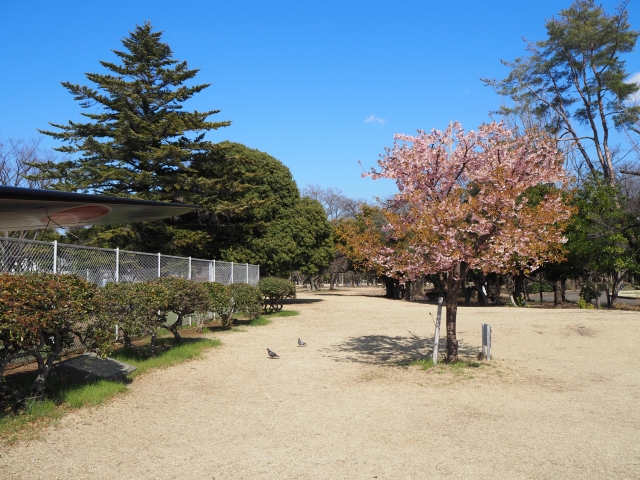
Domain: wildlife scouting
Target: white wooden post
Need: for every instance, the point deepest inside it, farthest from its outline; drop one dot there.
(189, 279)
(436, 336)
(55, 256)
(159, 263)
(117, 276)
(231, 273)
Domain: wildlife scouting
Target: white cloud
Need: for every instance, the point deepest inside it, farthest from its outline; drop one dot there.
(373, 118)
(635, 78)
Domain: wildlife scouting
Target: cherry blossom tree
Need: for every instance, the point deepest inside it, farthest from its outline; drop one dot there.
(463, 205)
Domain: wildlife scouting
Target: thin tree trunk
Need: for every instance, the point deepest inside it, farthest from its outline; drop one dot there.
(618, 279)
(441, 285)
(407, 295)
(479, 281)
(173, 328)
(541, 299)
(44, 367)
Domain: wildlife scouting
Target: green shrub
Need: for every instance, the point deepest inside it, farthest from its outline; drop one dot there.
(588, 293)
(124, 303)
(41, 314)
(584, 304)
(183, 297)
(247, 299)
(275, 290)
(220, 301)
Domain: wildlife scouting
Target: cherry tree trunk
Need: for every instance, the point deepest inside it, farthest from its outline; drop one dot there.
(557, 293)
(518, 286)
(455, 281)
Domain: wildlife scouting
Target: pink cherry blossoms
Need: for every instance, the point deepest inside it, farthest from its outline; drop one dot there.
(470, 206)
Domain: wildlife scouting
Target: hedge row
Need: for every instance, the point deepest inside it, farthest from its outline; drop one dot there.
(41, 315)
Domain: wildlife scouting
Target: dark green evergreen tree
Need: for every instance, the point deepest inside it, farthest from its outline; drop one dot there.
(141, 142)
(138, 140)
(252, 212)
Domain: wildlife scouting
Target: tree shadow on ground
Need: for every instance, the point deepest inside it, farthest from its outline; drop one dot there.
(300, 301)
(387, 350)
(350, 293)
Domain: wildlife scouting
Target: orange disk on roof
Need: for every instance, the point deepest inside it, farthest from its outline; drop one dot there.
(78, 214)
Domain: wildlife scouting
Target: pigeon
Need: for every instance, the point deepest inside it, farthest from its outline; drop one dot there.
(272, 354)
(301, 343)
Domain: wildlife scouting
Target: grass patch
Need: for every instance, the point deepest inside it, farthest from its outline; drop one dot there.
(285, 313)
(92, 394)
(423, 363)
(165, 357)
(35, 412)
(459, 367)
(260, 321)
(61, 396)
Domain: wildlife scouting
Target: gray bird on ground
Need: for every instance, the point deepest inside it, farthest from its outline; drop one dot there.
(301, 343)
(272, 354)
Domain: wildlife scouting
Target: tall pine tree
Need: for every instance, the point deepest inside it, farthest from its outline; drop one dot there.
(139, 141)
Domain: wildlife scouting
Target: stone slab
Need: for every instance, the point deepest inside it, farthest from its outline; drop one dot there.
(88, 367)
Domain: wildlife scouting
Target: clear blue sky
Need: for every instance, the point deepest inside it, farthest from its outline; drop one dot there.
(297, 79)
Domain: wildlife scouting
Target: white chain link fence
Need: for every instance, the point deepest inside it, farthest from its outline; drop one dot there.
(103, 265)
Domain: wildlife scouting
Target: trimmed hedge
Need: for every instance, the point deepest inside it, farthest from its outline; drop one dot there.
(247, 299)
(40, 314)
(220, 301)
(274, 291)
(183, 297)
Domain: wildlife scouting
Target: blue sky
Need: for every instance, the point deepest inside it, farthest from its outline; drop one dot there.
(318, 85)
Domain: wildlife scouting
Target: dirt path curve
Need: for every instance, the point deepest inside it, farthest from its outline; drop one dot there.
(560, 400)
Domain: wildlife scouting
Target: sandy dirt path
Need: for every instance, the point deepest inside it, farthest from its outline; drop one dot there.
(561, 399)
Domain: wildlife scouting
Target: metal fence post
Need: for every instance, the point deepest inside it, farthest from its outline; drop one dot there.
(159, 263)
(55, 256)
(247, 273)
(210, 272)
(231, 273)
(189, 277)
(117, 276)
(214, 271)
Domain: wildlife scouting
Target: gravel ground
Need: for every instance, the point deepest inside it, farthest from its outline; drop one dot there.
(560, 399)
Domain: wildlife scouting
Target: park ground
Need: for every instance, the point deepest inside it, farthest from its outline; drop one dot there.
(560, 399)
